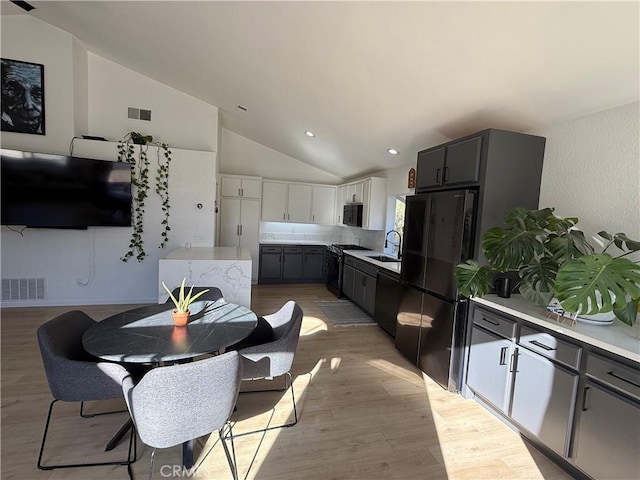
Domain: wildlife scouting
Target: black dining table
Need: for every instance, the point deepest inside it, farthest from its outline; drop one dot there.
(147, 335)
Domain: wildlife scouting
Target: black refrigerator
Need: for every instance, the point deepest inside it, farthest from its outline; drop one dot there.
(431, 318)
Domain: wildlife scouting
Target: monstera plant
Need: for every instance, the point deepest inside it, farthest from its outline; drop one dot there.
(553, 259)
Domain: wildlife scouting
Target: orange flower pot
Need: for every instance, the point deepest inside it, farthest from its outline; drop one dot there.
(180, 318)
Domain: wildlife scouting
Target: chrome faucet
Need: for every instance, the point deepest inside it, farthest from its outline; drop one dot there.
(386, 241)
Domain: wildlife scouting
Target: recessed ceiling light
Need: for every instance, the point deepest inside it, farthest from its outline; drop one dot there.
(309, 134)
(392, 151)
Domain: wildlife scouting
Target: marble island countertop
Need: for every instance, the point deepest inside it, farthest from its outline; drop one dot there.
(616, 338)
(367, 254)
(209, 253)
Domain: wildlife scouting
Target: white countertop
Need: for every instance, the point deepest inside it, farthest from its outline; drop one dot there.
(366, 254)
(210, 253)
(293, 242)
(616, 338)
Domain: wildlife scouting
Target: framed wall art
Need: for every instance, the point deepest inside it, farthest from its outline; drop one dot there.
(22, 97)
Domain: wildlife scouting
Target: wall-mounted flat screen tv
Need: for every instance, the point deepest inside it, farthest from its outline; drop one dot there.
(57, 191)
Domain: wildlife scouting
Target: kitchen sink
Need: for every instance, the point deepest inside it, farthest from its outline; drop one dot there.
(384, 258)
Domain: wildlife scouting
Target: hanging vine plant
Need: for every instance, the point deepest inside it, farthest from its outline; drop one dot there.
(140, 182)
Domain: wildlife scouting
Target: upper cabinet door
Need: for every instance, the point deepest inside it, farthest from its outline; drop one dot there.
(250, 188)
(299, 203)
(463, 162)
(430, 169)
(322, 204)
(230, 187)
(274, 202)
(240, 187)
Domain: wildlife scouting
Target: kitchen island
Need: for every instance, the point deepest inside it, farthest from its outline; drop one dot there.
(228, 268)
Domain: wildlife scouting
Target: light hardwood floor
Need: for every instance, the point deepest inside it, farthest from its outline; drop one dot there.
(365, 413)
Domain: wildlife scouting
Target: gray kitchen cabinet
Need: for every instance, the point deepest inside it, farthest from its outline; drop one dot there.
(491, 353)
(348, 279)
(270, 264)
(313, 264)
(292, 264)
(452, 165)
(543, 399)
(365, 286)
(608, 434)
(488, 372)
(582, 412)
(365, 291)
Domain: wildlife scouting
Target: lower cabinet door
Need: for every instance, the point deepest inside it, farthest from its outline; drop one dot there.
(489, 363)
(292, 266)
(543, 399)
(270, 267)
(608, 437)
(348, 282)
(312, 267)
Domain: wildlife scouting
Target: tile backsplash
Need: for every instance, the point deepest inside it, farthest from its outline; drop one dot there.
(274, 231)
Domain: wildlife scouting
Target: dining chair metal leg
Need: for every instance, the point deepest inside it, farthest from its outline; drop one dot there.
(91, 415)
(288, 385)
(153, 454)
(231, 457)
(130, 459)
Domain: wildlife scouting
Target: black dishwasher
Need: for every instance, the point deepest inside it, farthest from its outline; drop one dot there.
(387, 292)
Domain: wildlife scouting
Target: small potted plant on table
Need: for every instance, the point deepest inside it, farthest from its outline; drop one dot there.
(181, 313)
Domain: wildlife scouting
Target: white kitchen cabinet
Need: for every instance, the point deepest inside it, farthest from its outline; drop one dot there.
(355, 192)
(374, 203)
(299, 203)
(341, 201)
(322, 204)
(274, 201)
(239, 225)
(236, 186)
(372, 193)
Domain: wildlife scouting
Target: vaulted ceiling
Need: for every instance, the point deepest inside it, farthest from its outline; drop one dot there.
(369, 76)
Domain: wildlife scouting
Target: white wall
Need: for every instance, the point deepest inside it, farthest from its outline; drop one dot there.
(176, 118)
(241, 156)
(83, 89)
(592, 170)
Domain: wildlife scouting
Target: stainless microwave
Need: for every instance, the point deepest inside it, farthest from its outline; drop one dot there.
(352, 215)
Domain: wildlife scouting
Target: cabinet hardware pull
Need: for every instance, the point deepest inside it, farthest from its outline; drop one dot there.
(238, 230)
(446, 174)
(492, 322)
(584, 399)
(620, 377)
(242, 192)
(541, 345)
(503, 355)
(239, 192)
(284, 216)
(313, 218)
(513, 362)
(438, 176)
(288, 216)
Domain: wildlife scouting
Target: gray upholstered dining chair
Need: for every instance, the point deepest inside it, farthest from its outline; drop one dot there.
(174, 404)
(74, 376)
(213, 294)
(275, 357)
